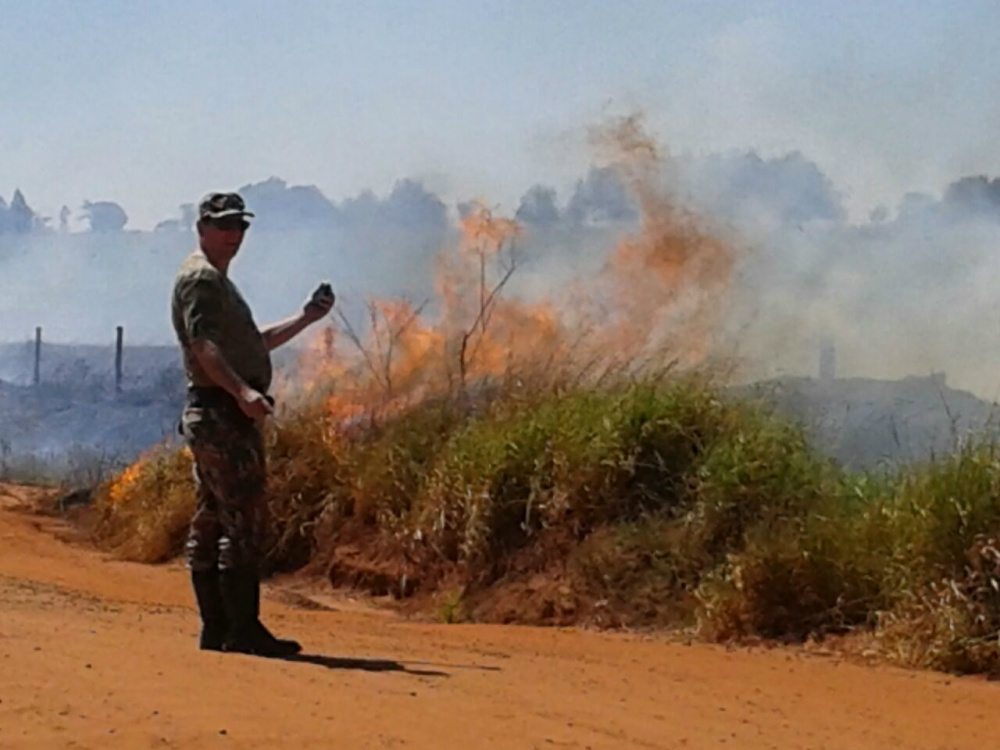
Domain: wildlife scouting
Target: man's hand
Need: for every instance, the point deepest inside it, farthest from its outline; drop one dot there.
(319, 304)
(254, 404)
(315, 308)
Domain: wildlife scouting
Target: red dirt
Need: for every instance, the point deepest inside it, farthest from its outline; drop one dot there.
(96, 653)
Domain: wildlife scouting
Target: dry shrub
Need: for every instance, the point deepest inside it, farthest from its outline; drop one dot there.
(784, 587)
(630, 575)
(952, 624)
(144, 512)
(305, 474)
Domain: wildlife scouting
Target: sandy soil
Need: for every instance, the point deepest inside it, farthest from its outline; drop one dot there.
(96, 653)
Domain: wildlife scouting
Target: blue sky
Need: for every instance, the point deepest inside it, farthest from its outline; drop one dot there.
(152, 103)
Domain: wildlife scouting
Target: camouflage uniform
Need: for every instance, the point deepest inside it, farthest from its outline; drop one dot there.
(228, 451)
(226, 445)
(230, 476)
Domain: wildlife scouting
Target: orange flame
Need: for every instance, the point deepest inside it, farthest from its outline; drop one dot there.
(122, 485)
(482, 232)
(671, 280)
(662, 289)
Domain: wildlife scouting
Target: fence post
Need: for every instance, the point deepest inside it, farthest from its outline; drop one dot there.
(37, 378)
(120, 336)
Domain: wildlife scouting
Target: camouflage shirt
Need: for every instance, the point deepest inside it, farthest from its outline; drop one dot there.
(207, 305)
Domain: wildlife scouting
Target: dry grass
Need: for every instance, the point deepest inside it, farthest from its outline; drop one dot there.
(144, 511)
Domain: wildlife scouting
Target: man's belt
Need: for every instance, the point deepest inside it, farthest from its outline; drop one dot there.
(212, 397)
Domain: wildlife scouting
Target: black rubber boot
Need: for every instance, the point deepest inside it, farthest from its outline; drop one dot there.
(241, 594)
(282, 643)
(214, 623)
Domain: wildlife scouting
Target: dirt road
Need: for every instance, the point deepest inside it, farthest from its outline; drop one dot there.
(96, 653)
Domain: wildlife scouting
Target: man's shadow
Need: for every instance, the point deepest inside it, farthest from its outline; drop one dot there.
(365, 665)
(381, 665)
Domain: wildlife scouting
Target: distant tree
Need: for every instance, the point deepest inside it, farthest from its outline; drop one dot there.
(183, 224)
(412, 205)
(278, 206)
(64, 214)
(20, 218)
(168, 225)
(975, 195)
(361, 210)
(538, 207)
(790, 188)
(104, 216)
(600, 198)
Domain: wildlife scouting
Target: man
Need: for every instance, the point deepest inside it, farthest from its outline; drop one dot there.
(228, 366)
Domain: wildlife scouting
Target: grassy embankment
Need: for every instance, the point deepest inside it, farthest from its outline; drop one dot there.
(640, 505)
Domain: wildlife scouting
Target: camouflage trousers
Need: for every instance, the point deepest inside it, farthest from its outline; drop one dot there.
(230, 474)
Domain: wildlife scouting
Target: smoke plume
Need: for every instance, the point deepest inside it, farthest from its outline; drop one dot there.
(729, 255)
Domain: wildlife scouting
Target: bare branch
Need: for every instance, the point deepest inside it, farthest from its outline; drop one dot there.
(373, 313)
(483, 317)
(356, 340)
(482, 283)
(394, 339)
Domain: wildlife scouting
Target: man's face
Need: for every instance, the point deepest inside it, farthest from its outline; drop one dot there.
(223, 237)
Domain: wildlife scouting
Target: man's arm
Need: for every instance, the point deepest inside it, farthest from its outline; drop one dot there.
(218, 369)
(315, 309)
(284, 331)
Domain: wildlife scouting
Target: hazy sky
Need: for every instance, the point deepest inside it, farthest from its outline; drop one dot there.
(152, 103)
